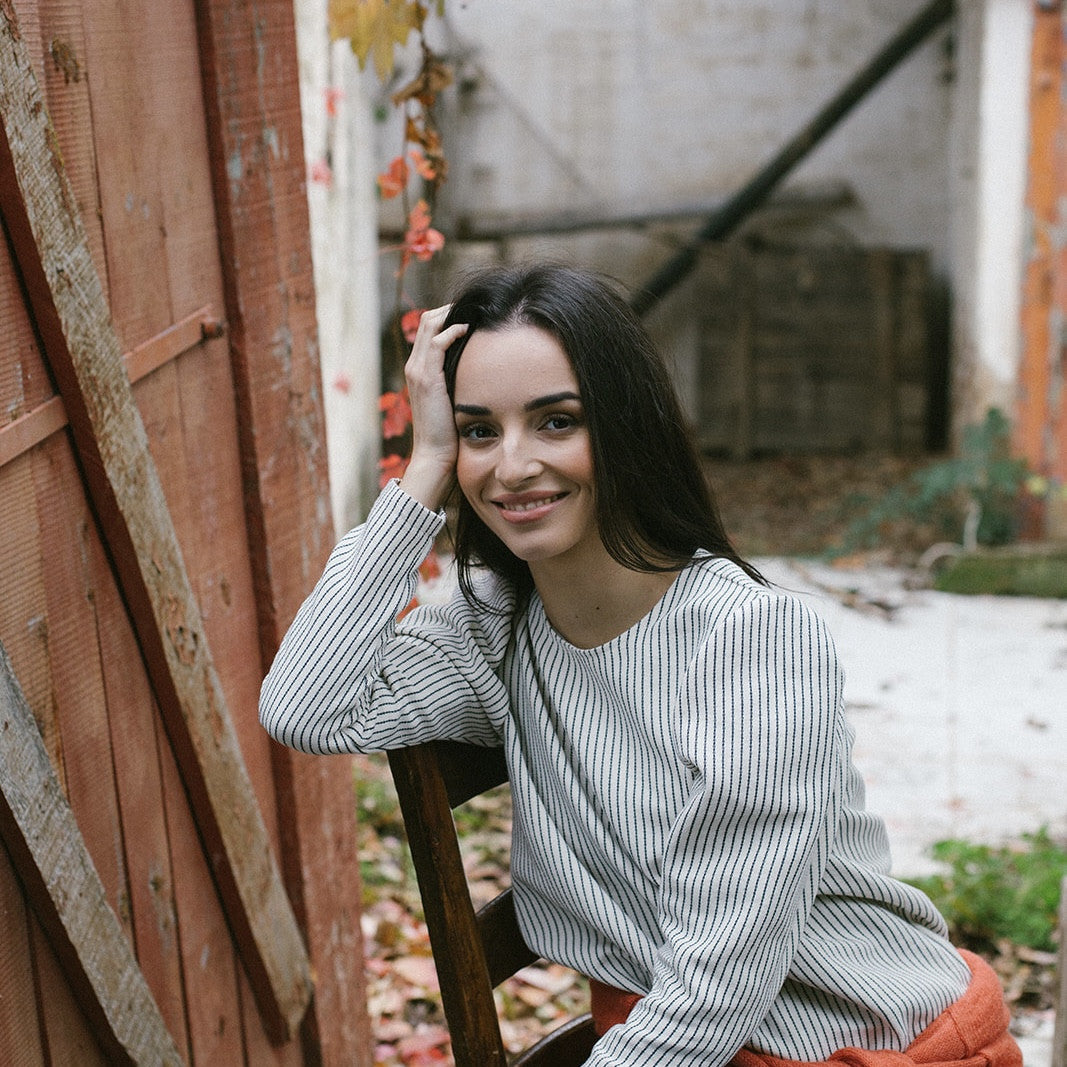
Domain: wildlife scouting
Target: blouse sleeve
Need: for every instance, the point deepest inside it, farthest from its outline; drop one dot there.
(349, 678)
(760, 727)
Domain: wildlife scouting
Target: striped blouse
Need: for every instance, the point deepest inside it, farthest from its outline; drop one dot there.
(688, 823)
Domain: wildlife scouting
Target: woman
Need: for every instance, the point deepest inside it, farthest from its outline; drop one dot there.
(689, 830)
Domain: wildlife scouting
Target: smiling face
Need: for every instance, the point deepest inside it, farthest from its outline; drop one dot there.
(525, 464)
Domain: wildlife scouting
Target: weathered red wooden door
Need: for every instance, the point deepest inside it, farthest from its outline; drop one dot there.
(171, 885)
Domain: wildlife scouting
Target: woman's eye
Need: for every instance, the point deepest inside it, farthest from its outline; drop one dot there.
(560, 422)
(476, 431)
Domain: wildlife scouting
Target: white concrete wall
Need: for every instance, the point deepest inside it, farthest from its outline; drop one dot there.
(611, 107)
(989, 174)
(344, 245)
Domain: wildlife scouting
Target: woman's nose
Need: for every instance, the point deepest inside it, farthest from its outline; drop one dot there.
(517, 462)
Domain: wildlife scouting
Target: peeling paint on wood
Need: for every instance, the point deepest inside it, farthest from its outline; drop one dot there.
(1041, 410)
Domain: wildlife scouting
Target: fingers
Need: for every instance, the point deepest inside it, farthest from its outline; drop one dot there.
(430, 341)
(424, 370)
(434, 439)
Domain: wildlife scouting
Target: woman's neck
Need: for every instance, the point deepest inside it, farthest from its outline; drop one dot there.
(590, 605)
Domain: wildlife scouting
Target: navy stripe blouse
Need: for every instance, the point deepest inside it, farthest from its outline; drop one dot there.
(688, 823)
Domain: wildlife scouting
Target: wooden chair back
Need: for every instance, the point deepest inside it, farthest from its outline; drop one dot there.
(473, 953)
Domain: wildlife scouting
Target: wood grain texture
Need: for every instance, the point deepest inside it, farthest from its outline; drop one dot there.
(73, 319)
(251, 92)
(132, 721)
(460, 959)
(45, 843)
(18, 1007)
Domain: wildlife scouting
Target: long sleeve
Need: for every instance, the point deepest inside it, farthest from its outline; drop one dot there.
(348, 678)
(758, 726)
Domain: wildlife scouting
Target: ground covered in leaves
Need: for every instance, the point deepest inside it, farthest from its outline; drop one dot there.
(784, 506)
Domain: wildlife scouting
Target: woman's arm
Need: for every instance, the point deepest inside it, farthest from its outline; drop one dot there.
(348, 678)
(759, 726)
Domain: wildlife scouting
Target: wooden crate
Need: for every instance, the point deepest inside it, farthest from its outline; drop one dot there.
(821, 349)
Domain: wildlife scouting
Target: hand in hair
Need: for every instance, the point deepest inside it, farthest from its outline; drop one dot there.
(434, 443)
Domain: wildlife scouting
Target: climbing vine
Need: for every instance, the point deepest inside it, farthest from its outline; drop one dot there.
(375, 29)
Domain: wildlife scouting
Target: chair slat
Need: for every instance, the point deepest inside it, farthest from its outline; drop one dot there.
(572, 1044)
(505, 950)
(462, 970)
(469, 770)
(473, 954)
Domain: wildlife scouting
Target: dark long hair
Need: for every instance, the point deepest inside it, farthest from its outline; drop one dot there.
(654, 507)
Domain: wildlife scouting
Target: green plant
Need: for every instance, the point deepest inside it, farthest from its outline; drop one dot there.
(991, 893)
(972, 498)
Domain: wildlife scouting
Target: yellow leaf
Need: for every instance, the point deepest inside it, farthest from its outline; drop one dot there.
(375, 28)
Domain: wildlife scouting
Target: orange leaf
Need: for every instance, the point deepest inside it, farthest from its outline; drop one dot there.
(419, 216)
(333, 97)
(409, 324)
(392, 181)
(396, 413)
(422, 244)
(390, 467)
(420, 240)
(423, 166)
(321, 173)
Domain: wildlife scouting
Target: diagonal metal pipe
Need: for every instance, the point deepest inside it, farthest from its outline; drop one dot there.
(755, 191)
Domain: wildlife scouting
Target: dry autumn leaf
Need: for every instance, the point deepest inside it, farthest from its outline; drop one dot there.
(433, 76)
(375, 28)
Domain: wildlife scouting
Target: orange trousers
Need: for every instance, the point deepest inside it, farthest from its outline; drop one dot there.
(973, 1032)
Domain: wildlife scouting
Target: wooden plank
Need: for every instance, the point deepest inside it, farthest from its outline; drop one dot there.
(65, 86)
(212, 1001)
(132, 715)
(18, 1007)
(65, 1032)
(43, 838)
(1040, 424)
(251, 89)
(73, 319)
(29, 430)
(66, 535)
(23, 613)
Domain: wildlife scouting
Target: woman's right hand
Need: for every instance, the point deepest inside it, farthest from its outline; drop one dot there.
(434, 441)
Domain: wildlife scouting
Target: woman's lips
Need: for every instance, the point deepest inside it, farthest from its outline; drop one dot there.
(527, 508)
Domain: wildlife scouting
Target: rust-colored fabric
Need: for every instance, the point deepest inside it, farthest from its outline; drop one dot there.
(973, 1032)
(609, 1005)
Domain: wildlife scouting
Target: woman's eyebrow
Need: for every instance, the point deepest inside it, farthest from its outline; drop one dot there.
(548, 401)
(531, 405)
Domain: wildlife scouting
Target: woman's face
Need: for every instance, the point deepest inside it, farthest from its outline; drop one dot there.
(525, 463)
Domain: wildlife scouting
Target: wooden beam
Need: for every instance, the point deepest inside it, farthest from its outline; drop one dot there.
(72, 317)
(252, 102)
(66, 893)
